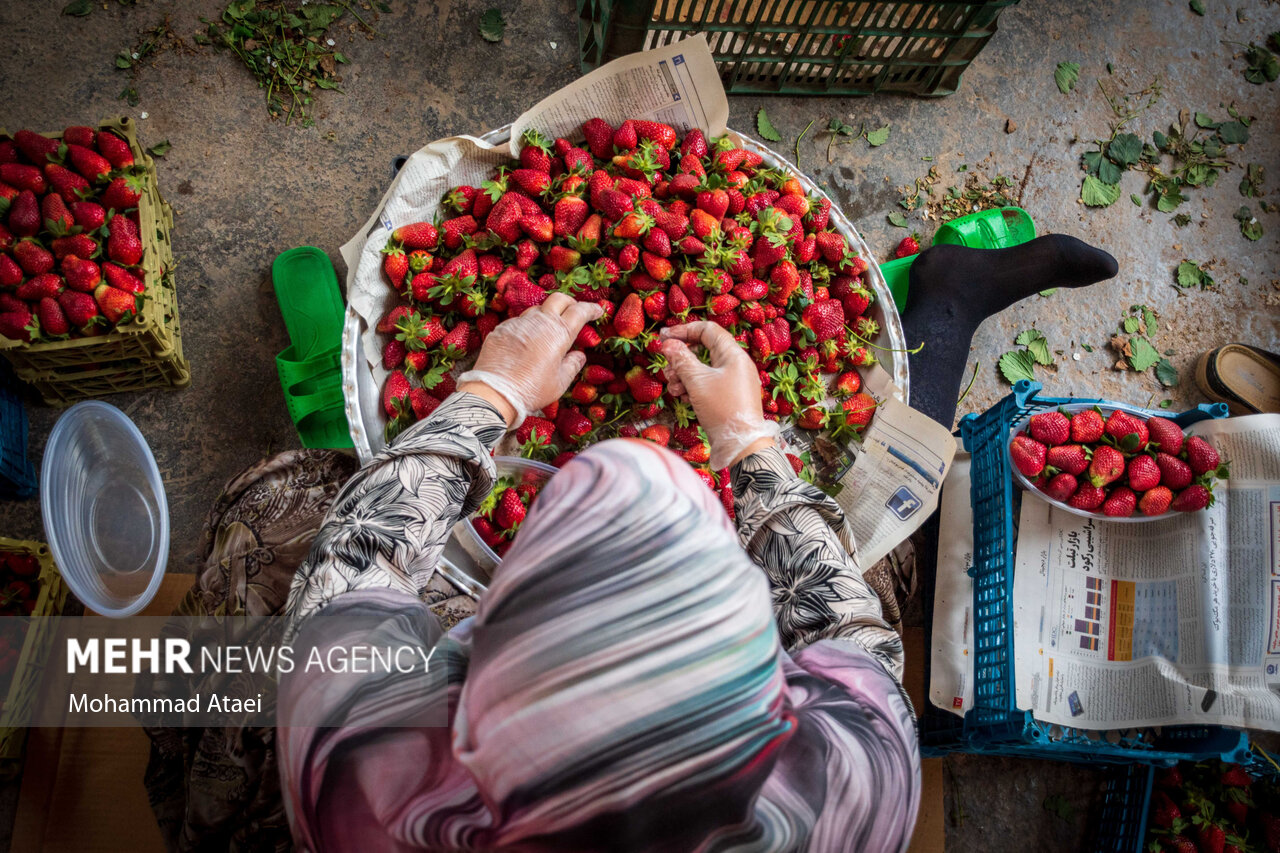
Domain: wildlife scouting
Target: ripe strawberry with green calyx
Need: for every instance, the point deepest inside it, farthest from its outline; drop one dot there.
(395, 264)
(80, 308)
(124, 246)
(123, 193)
(417, 235)
(644, 387)
(1060, 486)
(81, 275)
(1202, 457)
(417, 332)
(1050, 428)
(461, 198)
(570, 213)
(599, 134)
(1165, 436)
(115, 149)
(18, 325)
(1071, 458)
(115, 304)
(1087, 426)
(510, 511)
(1107, 465)
(80, 245)
(824, 319)
(909, 245)
(66, 183)
(1193, 498)
(1128, 432)
(90, 164)
(535, 151)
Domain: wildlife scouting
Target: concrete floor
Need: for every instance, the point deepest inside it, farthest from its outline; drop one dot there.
(245, 188)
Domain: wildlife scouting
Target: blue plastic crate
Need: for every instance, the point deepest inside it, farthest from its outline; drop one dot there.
(17, 475)
(995, 724)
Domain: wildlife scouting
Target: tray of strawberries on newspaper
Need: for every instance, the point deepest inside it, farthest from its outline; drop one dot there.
(659, 228)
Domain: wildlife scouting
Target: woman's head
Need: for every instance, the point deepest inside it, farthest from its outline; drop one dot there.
(561, 724)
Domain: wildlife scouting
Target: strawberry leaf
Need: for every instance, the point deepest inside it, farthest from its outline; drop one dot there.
(1017, 365)
(1066, 75)
(878, 137)
(765, 127)
(492, 25)
(1166, 374)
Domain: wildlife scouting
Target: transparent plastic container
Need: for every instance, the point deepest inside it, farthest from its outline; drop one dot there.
(104, 508)
(522, 470)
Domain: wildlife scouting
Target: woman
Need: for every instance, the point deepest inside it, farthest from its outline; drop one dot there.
(625, 684)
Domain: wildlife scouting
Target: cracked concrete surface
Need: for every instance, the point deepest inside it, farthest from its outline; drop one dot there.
(244, 188)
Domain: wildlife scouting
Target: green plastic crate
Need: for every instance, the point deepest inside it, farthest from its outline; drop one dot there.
(803, 47)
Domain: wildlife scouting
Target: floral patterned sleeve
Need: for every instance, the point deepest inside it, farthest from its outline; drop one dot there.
(389, 524)
(794, 531)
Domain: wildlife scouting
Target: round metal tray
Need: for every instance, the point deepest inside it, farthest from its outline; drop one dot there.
(364, 409)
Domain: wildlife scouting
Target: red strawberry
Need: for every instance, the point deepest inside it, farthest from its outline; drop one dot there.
(6, 238)
(1071, 458)
(24, 214)
(1087, 497)
(32, 257)
(1028, 455)
(115, 149)
(694, 144)
(1107, 466)
(80, 308)
(1060, 487)
(1163, 810)
(90, 164)
(599, 136)
(23, 177)
(455, 343)
(657, 433)
(848, 383)
(420, 235)
(387, 325)
(122, 193)
(1120, 503)
(79, 135)
(88, 215)
(395, 263)
(1144, 473)
(825, 319)
(455, 229)
(532, 181)
(662, 135)
(832, 246)
(16, 325)
(80, 245)
(1128, 432)
(422, 403)
(1191, 499)
(114, 303)
(393, 353)
(629, 321)
(1050, 428)
(10, 272)
(1156, 501)
(1086, 426)
(625, 136)
(644, 387)
(1180, 844)
(813, 417)
(36, 148)
(572, 425)
(39, 286)
(510, 510)
(858, 409)
(570, 214)
(1235, 776)
(65, 182)
(395, 393)
(81, 275)
(907, 246)
(1201, 455)
(1210, 838)
(53, 320)
(123, 244)
(1166, 436)
(460, 199)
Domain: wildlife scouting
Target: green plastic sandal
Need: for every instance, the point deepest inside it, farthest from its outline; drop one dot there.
(310, 370)
(997, 228)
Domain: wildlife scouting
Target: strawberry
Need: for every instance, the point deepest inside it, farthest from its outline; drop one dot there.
(570, 213)
(644, 387)
(387, 325)
(510, 511)
(393, 353)
(909, 245)
(395, 263)
(1028, 455)
(629, 321)
(36, 148)
(455, 229)
(455, 343)
(80, 308)
(813, 417)
(418, 235)
(657, 433)
(1235, 776)
(615, 204)
(1120, 503)
(848, 383)
(39, 286)
(655, 306)
(79, 135)
(123, 244)
(1201, 455)
(625, 137)
(1071, 458)
(122, 193)
(1087, 497)
(824, 319)
(1060, 487)
(539, 227)
(65, 182)
(115, 149)
(53, 320)
(832, 246)
(32, 257)
(10, 272)
(90, 164)
(461, 199)
(1163, 810)
(1086, 426)
(662, 135)
(80, 245)
(1156, 501)
(599, 135)
(572, 425)
(1144, 473)
(16, 325)
(115, 304)
(1050, 428)
(1180, 844)
(81, 275)
(535, 152)
(1107, 465)
(24, 214)
(532, 181)
(1166, 436)
(395, 393)
(23, 177)
(1191, 499)
(858, 409)
(584, 393)
(6, 238)
(1211, 838)
(88, 215)
(1128, 432)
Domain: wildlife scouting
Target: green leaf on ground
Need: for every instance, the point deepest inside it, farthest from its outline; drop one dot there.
(1263, 65)
(1017, 365)
(160, 149)
(1027, 336)
(1039, 349)
(1250, 227)
(1234, 133)
(878, 137)
(1049, 292)
(1066, 75)
(1191, 274)
(492, 25)
(1203, 120)
(1144, 355)
(1149, 320)
(1164, 404)
(1181, 219)
(897, 219)
(765, 128)
(1166, 373)
(1137, 202)
(1197, 7)
(1086, 348)
(1125, 149)
(1251, 183)
(79, 8)
(1095, 193)
(1109, 173)
(130, 96)
(1131, 325)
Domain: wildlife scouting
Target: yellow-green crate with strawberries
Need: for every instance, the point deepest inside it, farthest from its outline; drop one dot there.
(145, 336)
(24, 685)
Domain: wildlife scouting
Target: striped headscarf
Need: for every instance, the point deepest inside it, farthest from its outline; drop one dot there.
(621, 687)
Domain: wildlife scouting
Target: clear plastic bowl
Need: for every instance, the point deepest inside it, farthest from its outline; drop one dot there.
(104, 509)
(521, 470)
(1070, 409)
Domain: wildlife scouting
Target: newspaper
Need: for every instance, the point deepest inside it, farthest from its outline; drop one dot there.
(951, 657)
(887, 484)
(1173, 621)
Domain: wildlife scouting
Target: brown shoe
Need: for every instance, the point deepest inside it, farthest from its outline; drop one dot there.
(1246, 378)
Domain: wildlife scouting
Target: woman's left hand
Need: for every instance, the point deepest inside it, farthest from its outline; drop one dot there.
(525, 363)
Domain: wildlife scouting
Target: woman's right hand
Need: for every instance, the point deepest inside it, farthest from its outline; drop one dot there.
(725, 394)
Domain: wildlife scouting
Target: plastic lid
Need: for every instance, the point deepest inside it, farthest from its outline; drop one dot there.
(104, 509)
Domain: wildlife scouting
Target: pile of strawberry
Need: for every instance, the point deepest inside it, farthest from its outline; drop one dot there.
(658, 231)
(70, 246)
(500, 515)
(1117, 465)
(1213, 808)
(19, 590)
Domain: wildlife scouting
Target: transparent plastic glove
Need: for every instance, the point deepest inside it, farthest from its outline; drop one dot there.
(526, 359)
(725, 394)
